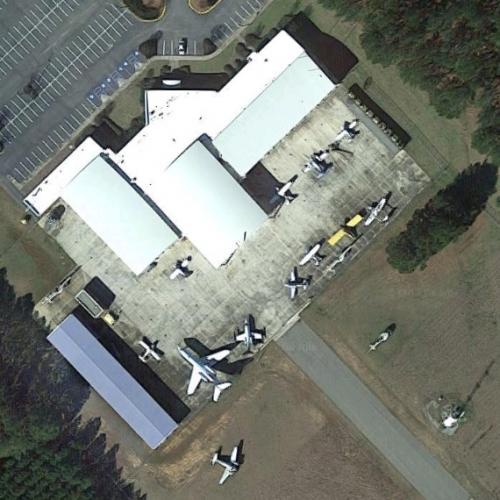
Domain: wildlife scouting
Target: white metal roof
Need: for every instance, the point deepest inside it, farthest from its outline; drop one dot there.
(175, 125)
(177, 118)
(269, 118)
(118, 215)
(209, 207)
(50, 189)
(112, 381)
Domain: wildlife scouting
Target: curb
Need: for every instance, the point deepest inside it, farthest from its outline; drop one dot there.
(161, 15)
(210, 9)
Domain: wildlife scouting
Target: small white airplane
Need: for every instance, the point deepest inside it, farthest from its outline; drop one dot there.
(181, 269)
(49, 298)
(150, 351)
(231, 464)
(347, 250)
(284, 192)
(374, 211)
(295, 283)
(250, 335)
(383, 337)
(203, 370)
(318, 164)
(349, 130)
(312, 254)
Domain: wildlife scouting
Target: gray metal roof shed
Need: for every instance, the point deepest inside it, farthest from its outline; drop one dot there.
(112, 382)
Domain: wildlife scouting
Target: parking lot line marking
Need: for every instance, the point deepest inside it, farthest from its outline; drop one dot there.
(41, 20)
(23, 166)
(229, 28)
(69, 125)
(60, 73)
(245, 10)
(69, 61)
(82, 116)
(66, 131)
(41, 151)
(86, 107)
(242, 19)
(58, 135)
(251, 6)
(33, 165)
(36, 156)
(20, 173)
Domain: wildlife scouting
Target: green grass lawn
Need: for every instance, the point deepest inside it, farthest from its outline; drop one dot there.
(35, 262)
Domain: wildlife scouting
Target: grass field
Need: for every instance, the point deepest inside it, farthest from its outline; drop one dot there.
(447, 333)
(35, 263)
(296, 445)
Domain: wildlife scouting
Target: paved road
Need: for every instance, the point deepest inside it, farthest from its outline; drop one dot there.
(76, 53)
(369, 415)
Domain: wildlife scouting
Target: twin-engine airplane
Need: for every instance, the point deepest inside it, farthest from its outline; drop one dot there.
(250, 335)
(203, 369)
(231, 464)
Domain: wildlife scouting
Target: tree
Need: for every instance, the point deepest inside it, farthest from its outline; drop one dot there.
(45, 452)
(443, 219)
(449, 49)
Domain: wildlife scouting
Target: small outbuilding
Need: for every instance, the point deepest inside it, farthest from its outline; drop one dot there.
(112, 381)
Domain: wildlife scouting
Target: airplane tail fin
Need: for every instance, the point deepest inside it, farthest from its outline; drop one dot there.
(219, 388)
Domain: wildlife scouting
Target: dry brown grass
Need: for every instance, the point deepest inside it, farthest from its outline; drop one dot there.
(447, 319)
(296, 445)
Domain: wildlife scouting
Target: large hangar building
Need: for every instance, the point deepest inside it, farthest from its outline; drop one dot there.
(180, 175)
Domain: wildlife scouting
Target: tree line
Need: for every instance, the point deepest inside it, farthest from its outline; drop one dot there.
(446, 47)
(444, 218)
(45, 452)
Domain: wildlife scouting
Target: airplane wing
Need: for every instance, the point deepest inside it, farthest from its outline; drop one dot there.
(234, 455)
(155, 355)
(225, 475)
(175, 274)
(355, 220)
(240, 337)
(194, 381)
(197, 346)
(143, 345)
(218, 355)
(257, 335)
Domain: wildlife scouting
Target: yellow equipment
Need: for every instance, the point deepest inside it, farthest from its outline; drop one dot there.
(336, 237)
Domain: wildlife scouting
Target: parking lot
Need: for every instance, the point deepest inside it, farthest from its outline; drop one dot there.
(61, 60)
(211, 303)
(32, 30)
(235, 16)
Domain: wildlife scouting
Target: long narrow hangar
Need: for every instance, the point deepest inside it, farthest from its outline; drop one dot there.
(112, 381)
